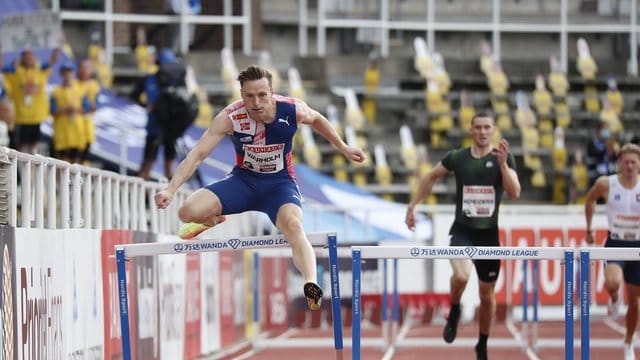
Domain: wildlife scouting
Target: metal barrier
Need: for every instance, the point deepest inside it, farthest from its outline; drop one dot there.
(42, 192)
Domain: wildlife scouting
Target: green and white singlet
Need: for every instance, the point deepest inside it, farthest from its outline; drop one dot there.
(478, 187)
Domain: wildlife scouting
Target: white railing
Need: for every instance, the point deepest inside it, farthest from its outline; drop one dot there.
(42, 192)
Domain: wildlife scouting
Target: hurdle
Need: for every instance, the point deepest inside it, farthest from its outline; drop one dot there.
(123, 252)
(586, 255)
(460, 252)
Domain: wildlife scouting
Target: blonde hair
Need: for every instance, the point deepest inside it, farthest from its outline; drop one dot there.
(629, 148)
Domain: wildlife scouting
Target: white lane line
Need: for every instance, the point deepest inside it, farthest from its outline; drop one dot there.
(388, 355)
(518, 337)
(615, 326)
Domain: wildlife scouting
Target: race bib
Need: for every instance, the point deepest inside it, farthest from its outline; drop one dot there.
(625, 227)
(478, 201)
(264, 159)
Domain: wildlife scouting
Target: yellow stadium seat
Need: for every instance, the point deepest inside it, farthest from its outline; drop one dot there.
(585, 63)
(312, 155)
(559, 191)
(591, 100)
(616, 100)
(339, 168)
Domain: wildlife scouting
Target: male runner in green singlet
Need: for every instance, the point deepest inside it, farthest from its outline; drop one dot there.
(482, 173)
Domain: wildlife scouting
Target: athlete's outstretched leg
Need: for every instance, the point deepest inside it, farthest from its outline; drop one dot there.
(459, 278)
(289, 222)
(613, 280)
(485, 316)
(199, 212)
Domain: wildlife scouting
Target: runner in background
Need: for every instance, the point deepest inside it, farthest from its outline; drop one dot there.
(483, 172)
(621, 191)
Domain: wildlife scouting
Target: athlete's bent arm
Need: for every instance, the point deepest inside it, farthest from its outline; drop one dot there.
(598, 190)
(426, 184)
(510, 181)
(322, 126)
(219, 127)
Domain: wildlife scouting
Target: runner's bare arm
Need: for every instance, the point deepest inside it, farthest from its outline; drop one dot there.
(510, 180)
(219, 127)
(319, 123)
(426, 184)
(599, 190)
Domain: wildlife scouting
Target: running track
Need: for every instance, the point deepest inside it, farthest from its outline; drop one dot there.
(424, 341)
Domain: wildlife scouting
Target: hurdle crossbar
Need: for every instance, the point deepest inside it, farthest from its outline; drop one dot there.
(320, 239)
(586, 255)
(460, 252)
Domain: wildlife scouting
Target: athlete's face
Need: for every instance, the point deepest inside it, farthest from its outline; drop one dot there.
(482, 131)
(256, 95)
(629, 164)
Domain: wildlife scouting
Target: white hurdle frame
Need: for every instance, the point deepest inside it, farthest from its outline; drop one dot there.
(460, 252)
(125, 251)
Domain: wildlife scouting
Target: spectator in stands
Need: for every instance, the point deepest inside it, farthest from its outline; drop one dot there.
(601, 155)
(104, 74)
(486, 58)
(614, 96)
(69, 103)
(465, 114)
(205, 113)
(579, 179)
(608, 114)
(144, 53)
(559, 86)
(483, 172)
(150, 87)
(89, 88)
(585, 63)
(26, 81)
(619, 191)
(95, 44)
(6, 116)
(371, 80)
(262, 126)
(557, 79)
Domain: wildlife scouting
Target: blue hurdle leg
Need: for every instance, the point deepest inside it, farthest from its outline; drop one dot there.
(525, 304)
(355, 304)
(535, 303)
(124, 304)
(568, 305)
(385, 306)
(585, 276)
(335, 295)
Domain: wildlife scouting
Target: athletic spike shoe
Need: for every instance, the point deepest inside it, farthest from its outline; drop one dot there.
(451, 327)
(629, 352)
(481, 352)
(613, 309)
(313, 292)
(190, 230)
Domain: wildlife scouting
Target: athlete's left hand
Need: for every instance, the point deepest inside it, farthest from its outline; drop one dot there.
(354, 154)
(502, 151)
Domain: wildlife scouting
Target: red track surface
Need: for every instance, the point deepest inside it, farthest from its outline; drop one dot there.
(606, 343)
